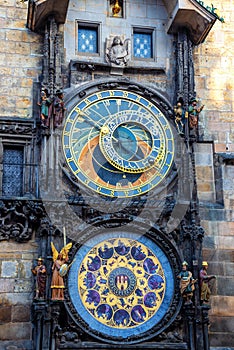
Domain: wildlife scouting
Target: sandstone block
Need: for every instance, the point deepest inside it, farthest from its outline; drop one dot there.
(20, 313)
(8, 3)
(29, 36)
(9, 269)
(3, 12)
(206, 196)
(16, 298)
(22, 48)
(17, 13)
(225, 242)
(23, 102)
(224, 324)
(225, 286)
(5, 314)
(26, 82)
(229, 268)
(22, 286)
(205, 187)
(24, 269)
(6, 285)
(15, 331)
(222, 306)
(204, 172)
(14, 35)
(223, 340)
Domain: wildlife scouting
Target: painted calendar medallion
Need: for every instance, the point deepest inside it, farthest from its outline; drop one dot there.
(121, 286)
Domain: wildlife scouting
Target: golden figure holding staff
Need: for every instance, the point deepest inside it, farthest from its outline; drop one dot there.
(59, 270)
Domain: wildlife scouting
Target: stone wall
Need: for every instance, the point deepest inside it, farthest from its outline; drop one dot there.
(214, 61)
(16, 291)
(20, 60)
(20, 66)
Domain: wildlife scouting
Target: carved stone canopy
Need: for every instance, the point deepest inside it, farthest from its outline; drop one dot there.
(40, 10)
(189, 14)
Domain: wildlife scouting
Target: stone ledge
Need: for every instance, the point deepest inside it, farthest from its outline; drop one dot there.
(12, 345)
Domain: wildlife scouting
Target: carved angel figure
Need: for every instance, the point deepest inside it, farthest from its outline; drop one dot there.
(118, 54)
(59, 269)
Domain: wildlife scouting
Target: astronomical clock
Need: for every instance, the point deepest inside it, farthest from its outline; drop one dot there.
(118, 143)
(112, 202)
(119, 148)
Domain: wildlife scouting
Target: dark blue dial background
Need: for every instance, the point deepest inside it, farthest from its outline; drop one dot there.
(93, 323)
(100, 163)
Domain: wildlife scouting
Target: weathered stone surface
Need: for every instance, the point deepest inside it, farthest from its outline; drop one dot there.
(225, 286)
(20, 313)
(16, 298)
(6, 285)
(222, 339)
(5, 314)
(15, 331)
(11, 345)
(222, 324)
(9, 269)
(16, 53)
(222, 306)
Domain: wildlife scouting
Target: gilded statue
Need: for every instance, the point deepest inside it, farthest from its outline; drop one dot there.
(59, 270)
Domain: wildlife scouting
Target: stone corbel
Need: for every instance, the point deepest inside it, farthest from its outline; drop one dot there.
(191, 15)
(40, 10)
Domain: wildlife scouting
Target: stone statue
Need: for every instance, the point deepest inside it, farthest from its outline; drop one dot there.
(193, 113)
(186, 283)
(45, 104)
(40, 272)
(179, 117)
(118, 54)
(59, 266)
(204, 283)
(58, 109)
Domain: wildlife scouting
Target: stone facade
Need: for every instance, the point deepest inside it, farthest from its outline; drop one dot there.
(20, 67)
(214, 85)
(20, 63)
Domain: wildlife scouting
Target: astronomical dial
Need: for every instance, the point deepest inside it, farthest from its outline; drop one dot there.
(118, 143)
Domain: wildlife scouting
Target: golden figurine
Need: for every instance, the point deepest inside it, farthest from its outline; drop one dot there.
(116, 9)
(59, 270)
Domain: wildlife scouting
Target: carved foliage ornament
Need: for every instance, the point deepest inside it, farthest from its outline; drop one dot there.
(17, 219)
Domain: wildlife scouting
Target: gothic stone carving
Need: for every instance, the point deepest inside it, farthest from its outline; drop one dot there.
(17, 219)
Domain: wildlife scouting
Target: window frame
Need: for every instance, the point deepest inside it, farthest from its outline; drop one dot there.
(145, 30)
(89, 25)
(13, 146)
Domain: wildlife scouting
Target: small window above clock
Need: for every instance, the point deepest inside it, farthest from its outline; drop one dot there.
(143, 47)
(87, 38)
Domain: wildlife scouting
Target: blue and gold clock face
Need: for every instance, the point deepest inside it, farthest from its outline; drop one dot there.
(121, 285)
(118, 143)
